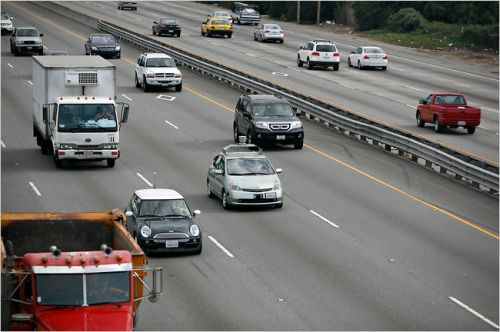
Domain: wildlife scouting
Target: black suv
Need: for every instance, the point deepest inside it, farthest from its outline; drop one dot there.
(103, 44)
(166, 26)
(267, 119)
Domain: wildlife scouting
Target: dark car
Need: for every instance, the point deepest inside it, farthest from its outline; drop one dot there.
(127, 4)
(26, 40)
(162, 222)
(104, 45)
(166, 26)
(267, 119)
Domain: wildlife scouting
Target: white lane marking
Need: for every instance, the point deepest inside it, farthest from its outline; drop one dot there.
(324, 219)
(126, 97)
(29, 82)
(144, 179)
(35, 189)
(11, 66)
(171, 124)
(410, 106)
(3, 144)
(221, 247)
(412, 87)
(165, 97)
(474, 312)
(277, 73)
(250, 54)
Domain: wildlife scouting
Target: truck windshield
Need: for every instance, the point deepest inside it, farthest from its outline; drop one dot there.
(68, 289)
(87, 118)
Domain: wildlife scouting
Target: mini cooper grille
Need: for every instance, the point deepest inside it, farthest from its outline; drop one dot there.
(279, 126)
(171, 236)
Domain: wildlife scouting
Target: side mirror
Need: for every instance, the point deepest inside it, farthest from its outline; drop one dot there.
(157, 287)
(279, 171)
(126, 109)
(218, 171)
(41, 35)
(155, 22)
(196, 213)
(422, 101)
(301, 47)
(129, 213)
(45, 112)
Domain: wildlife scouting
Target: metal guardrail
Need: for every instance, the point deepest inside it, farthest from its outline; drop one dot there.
(476, 173)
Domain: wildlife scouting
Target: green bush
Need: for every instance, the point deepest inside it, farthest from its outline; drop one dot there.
(481, 36)
(406, 20)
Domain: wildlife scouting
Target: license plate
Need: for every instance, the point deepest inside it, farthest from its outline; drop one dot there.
(29, 47)
(171, 244)
(170, 30)
(280, 137)
(461, 123)
(270, 195)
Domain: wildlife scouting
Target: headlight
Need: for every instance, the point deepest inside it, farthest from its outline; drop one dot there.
(117, 48)
(110, 146)
(178, 76)
(262, 125)
(94, 48)
(145, 231)
(150, 75)
(64, 146)
(194, 230)
(277, 185)
(235, 187)
(295, 124)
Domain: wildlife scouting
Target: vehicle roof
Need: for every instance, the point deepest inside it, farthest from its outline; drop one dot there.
(26, 28)
(242, 151)
(101, 34)
(271, 98)
(73, 61)
(218, 12)
(158, 193)
(440, 93)
(322, 41)
(156, 55)
(167, 18)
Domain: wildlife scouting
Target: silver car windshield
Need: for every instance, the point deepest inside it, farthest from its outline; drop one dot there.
(86, 117)
(160, 62)
(272, 109)
(248, 166)
(164, 208)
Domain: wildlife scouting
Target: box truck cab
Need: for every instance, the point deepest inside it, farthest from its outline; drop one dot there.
(75, 114)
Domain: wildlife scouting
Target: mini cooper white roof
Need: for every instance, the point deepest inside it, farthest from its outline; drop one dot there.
(158, 194)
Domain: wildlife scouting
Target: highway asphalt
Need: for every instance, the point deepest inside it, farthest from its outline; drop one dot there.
(388, 97)
(365, 241)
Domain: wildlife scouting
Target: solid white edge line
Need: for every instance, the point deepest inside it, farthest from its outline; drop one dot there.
(3, 144)
(126, 97)
(35, 189)
(474, 312)
(144, 179)
(221, 247)
(324, 219)
(11, 66)
(171, 124)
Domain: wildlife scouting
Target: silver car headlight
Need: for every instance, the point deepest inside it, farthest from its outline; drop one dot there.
(194, 230)
(235, 187)
(262, 124)
(295, 124)
(145, 231)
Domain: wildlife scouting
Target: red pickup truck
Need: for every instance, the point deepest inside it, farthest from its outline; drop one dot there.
(447, 110)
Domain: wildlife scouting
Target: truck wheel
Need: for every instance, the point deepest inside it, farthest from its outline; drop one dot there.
(437, 126)
(225, 201)
(471, 130)
(110, 163)
(137, 85)
(420, 122)
(57, 161)
(178, 88)
(45, 147)
(145, 85)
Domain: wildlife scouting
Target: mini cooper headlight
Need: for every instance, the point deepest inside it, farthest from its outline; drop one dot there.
(194, 230)
(145, 231)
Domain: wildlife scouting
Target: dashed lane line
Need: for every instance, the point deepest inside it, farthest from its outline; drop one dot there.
(220, 246)
(171, 124)
(11, 66)
(324, 219)
(3, 144)
(35, 189)
(474, 312)
(127, 97)
(143, 178)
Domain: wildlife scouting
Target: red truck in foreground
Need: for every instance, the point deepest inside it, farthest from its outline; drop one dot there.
(447, 110)
(72, 271)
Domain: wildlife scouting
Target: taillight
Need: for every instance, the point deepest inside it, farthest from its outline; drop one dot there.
(336, 54)
(366, 56)
(315, 54)
(384, 57)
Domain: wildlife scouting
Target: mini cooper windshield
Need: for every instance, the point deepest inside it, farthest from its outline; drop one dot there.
(165, 208)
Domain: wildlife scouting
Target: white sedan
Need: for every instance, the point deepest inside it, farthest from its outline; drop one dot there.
(271, 32)
(368, 56)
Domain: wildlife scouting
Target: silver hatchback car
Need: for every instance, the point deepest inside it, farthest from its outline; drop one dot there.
(241, 175)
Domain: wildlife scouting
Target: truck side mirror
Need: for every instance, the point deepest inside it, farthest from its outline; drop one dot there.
(45, 112)
(157, 287)
(279, 171)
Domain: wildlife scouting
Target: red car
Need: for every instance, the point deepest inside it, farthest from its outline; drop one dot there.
(447, 110)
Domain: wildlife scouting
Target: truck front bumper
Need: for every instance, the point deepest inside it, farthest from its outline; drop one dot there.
(88, 154)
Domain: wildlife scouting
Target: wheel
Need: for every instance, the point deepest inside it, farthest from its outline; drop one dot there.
(57, 161)
(420, 122)
(145, 85)
(178, 35)
(309, 64)
(281, 41)
(360, 67)
(470, 130)
(154, 32)
(178, 88)
(40, 52)
(198, 251)
(137, 84)
(203, 34)
(254, 37)
(229, 35)
(279, 205)
(299, 62)
(437, 127)
(209, 191)
(299, 145)
(236, 134)
(384, 68)
(336, 67)
(250, 139)
(349, 62)
(44, 147)
(110, 163)
(225, 201)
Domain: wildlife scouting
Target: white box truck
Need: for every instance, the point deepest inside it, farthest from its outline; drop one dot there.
(75, 115)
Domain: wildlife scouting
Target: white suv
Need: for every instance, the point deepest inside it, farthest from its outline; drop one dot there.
(157, 69)
(321, 53)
